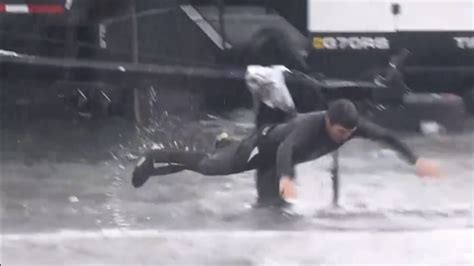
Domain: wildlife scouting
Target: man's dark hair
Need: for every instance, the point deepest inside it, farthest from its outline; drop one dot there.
(343, 112)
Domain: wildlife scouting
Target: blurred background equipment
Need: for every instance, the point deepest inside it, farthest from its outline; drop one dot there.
(200, 48)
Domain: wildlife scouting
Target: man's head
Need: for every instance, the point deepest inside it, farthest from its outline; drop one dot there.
(342, 118)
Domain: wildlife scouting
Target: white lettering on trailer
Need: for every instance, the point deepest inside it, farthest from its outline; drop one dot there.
(354, 43)
(465, 42)
(368, 42)
(382, 43)
(330, 43)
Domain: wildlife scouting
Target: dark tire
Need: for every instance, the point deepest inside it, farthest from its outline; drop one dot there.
(149, 104)
(445, 109)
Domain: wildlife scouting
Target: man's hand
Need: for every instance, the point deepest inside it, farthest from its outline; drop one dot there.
(426, 168)
(287, 188)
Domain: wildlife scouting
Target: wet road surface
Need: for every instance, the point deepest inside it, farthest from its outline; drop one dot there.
(67, 198)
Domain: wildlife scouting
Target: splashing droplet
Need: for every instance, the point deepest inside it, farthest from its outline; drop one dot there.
(73, 199)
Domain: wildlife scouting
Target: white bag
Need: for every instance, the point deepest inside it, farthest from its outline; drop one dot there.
(268, 85)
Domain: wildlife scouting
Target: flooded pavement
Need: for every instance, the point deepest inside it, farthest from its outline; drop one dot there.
(67, 199)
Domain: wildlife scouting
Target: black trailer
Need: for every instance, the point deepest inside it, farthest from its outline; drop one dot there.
(106, 55)
(114, 57)
(440, 35)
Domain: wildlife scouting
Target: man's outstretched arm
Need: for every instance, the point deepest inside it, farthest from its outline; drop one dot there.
(370, 130)
(285, 165)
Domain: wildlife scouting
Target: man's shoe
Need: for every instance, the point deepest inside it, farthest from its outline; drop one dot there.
(276, 202)
(142, 172)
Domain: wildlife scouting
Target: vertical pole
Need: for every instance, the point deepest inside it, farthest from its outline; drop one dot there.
(133, 21)
(180, 38)
(335, 178)
(267, 6)
(137, 101)
(221, 6)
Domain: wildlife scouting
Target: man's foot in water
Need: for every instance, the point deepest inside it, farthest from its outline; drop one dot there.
(276, 202)
(142, 172)
(146, 168)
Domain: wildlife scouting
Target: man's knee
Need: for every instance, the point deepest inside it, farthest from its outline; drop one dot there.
(212, 166)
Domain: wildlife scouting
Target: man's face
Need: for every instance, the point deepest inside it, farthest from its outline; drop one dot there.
(338, 133)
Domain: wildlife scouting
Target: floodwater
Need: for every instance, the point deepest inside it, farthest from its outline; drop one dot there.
(67, 199)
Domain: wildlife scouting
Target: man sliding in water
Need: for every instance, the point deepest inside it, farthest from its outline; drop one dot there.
(282, 139)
